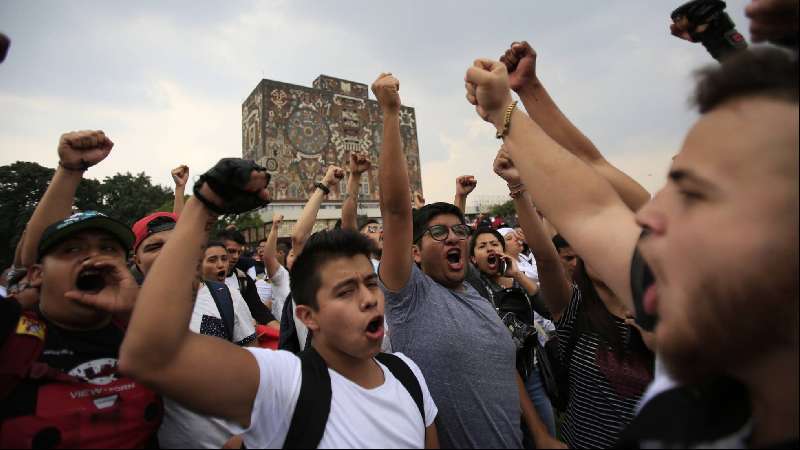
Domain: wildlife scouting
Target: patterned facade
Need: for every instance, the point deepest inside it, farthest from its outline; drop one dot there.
(296, 132)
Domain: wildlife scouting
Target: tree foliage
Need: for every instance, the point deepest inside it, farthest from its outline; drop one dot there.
(124, 197)
(503, 209)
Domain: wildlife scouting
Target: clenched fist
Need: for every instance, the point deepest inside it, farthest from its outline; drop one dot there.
(504, 166)
(180, 175)
(79, 150)
(520, 61)
(277, 220)
(387, 91)
(359, 163)
(488, 89)
(465, 184)
(333, 176)
(419, 199)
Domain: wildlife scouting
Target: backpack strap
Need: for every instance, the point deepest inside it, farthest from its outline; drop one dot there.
(313, 405)
(224, 301)
(406, 376)
(288, 332)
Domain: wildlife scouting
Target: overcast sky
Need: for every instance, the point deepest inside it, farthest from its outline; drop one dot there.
(166, 80)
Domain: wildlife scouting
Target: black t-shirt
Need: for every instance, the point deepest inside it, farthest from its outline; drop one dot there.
(88, 361)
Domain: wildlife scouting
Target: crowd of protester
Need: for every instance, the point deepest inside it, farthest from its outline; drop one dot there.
(595, 317)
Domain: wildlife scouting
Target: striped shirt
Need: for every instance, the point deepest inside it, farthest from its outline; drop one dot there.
(603, 391)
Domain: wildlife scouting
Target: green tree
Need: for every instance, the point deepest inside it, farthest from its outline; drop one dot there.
(128, 197)
(503, 210)
(22, 185)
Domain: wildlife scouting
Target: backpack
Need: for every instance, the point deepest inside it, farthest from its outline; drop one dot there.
(70, 412)
(224, 301)
(314, 402)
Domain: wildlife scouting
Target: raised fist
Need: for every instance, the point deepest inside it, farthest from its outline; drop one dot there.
(233, 186)
(180, 175)
(520, 61)
(386, 89)
(465, 184)
(277, 220)
(333, 176)
(419, 200)
(359, 163)
(504, 166)
(488, 89)
(79, 150)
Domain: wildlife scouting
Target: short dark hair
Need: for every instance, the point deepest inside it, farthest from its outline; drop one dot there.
(559, 242)
(363, 221)
(214, 243)
(262, 241)
(762, 72)
(283, 247)
(424, 215)
(324, 246)
(232, 235)
(485, 230)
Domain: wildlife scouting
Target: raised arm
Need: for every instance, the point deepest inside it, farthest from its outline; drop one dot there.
(465, 184)
(555, 287)
(270, 257)
(180, 175)
(581, 204)
(419, 199)
(305, 225)
(520, 61)
(206, 374)
(359, 163)
(77, 152)
(395, 190)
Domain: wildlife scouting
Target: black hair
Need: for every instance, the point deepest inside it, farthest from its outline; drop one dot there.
(363, 221)
(485, 230)
(424, 215)
(262, 241)
(594, 317)
(215, 243)
(559, 242)
(283, 247)
(324, 246)
(232, 235)
(762, 72)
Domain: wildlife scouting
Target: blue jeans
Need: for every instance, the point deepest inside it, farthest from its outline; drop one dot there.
(540, 400)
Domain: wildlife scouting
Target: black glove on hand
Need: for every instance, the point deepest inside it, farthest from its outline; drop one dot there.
(228, 179)
(720, 37)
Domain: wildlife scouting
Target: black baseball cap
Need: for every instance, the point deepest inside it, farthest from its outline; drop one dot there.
(86, 220)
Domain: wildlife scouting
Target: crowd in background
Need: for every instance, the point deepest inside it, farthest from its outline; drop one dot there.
(595, 316)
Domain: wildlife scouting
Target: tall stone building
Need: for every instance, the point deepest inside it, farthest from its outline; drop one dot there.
(296, 132)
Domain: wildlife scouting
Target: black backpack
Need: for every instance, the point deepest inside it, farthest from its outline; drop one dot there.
(314, 403)
(222, 297)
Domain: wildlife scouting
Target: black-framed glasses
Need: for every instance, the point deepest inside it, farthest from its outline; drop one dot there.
(440, 232)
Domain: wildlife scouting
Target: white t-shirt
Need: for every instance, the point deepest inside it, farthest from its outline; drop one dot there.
(182, 428)
(263, 285)
(528, 267)
(280, 290)
(384, 417)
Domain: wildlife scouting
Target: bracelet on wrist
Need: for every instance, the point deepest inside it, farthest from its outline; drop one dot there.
(325, 189)
(82, 167)
(506, 121)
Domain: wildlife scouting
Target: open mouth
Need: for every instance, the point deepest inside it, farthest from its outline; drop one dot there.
(221, 275)
(90, 280)
(492, 261)
(454, 259)
(375, 328)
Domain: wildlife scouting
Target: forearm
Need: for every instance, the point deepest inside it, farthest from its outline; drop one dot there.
(528, 284)
(271, 252)
(554, 122)
(394, 183)
(18, 251)
(180, 192)
(461, 202)
(147, 348)
(55, 205)
(305, 224)
(577, 200)
(350, 205)
(552, 279)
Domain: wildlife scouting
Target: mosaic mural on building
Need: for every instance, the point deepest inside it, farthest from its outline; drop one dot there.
(296, 132)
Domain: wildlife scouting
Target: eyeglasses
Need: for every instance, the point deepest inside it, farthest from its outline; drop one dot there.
(374, 229)
(441, 232)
